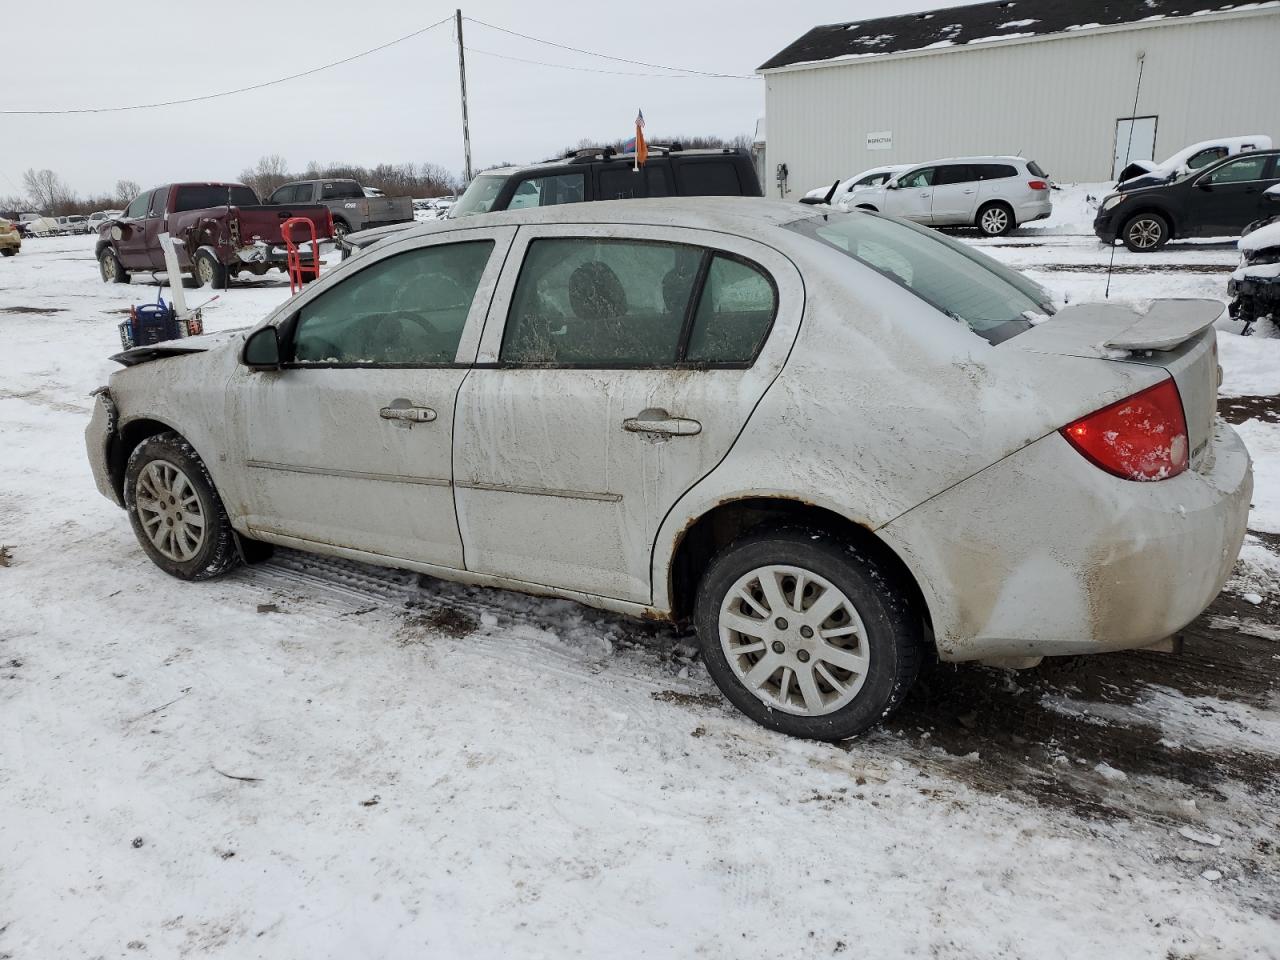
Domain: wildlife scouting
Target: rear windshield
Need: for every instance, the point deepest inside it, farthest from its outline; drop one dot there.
(479, 197)
(966, 285)
(340, 190)
(1034, 169)
(200, 196)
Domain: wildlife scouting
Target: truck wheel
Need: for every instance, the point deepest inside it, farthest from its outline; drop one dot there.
(208, 271)
(1145, 232)
(110, 268)
(340, 229)
(807, 635)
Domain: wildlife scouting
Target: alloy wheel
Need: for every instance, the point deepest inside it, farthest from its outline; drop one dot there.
(170, 510)
(108, 268)
(206, 271)
(794, 640)
(1145, 233)
(995, 221)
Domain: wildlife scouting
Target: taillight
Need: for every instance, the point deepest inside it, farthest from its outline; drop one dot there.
(1037, 185)
(1142, 437)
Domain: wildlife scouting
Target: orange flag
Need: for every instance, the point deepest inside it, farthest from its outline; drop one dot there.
(642, 149)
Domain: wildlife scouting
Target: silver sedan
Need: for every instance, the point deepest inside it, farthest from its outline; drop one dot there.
(835, 442)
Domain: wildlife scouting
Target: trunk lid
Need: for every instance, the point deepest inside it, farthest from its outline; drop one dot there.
(1176, 336)
(264, 221)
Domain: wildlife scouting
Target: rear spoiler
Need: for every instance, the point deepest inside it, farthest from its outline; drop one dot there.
(1165, 324)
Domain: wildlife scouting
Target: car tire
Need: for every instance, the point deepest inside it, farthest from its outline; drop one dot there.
(8, 252)
(176, 513)
(208, 271)
(1145, 232)
(110, 267)
(819, 688)
(340, 229)
(995, 219)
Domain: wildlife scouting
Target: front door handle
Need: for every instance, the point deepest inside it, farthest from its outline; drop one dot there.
(411, 414)
(661, 423)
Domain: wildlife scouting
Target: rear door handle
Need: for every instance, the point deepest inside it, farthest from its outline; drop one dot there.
(662, 424)
(411, 414)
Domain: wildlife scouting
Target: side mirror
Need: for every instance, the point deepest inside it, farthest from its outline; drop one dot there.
(262, 349)
(1272, 194)
(891, 185)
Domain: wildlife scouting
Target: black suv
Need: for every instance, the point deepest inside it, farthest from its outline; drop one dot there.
(602, 174)
(1218, 200)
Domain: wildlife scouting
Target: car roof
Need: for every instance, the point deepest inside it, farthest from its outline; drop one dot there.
(574, 160)
(736, 215)
(982, 159)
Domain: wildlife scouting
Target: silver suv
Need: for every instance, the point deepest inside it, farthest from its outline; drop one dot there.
(994, 194)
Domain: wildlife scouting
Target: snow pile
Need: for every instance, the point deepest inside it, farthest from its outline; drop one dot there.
(1263, 237)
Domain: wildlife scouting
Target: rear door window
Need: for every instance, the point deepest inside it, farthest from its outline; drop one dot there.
(585, 302)
(735, 311)
(708, 178)
(158, 201)
(951, 173)
(619, 183)
(549, 191)
(409, 309)
(335, 190)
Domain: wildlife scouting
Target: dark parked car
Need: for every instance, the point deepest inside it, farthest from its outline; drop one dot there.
(221, 229)
(1219, 200)
(602, 174)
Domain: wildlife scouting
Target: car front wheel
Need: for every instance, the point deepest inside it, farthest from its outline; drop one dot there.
(176, 513)
(807, 635)
(110, 267)
(1145, 232)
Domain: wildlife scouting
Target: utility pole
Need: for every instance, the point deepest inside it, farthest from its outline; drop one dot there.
(462, 79)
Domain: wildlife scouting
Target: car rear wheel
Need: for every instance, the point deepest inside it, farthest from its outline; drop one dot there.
(340, 229)
(1145, 232)
(208, 271)
(110, 268)
(995, 220)
(807, 635)
(176, 513)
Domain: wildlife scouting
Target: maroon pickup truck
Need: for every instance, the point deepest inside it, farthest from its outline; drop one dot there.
(220, 229)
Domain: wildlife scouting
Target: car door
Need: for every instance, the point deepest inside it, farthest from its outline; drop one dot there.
(618, 366)
(131, 248)
(912, 198)
(350, 443)
(1225, 199)
(955, 194)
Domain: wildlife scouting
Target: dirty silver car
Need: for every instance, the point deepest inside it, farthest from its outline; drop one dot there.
(832, 441)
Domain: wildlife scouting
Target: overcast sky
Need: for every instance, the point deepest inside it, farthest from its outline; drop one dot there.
(398, 105)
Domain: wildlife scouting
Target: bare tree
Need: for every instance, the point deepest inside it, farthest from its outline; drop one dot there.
(126, 190)
(47, 191)
(267, 174)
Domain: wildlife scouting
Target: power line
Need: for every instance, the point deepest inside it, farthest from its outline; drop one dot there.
(565, 66)
(605, 56)
(230, 93)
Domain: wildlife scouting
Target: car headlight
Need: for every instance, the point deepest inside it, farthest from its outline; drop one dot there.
(1113, 201)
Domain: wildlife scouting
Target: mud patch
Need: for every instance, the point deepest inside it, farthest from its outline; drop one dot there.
(687, 699)
(37, 311)
(1240, 409)
(1033, 732)
(6, 556)
(447, 620)
(1208, 268)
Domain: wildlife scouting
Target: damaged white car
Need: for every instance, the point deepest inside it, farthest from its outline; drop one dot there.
(830, 440)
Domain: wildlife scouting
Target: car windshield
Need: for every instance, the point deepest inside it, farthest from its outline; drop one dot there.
(479, 197)
(967, 286)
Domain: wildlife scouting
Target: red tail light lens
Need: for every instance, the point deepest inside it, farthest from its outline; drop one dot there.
(1143, 437)
(1037, 185)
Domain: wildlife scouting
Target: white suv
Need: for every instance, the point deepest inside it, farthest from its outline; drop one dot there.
(994, 194)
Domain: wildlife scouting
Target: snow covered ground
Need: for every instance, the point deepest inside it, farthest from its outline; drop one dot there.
(319, 759)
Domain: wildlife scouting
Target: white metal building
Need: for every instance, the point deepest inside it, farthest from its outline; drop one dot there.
(1050, 80)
